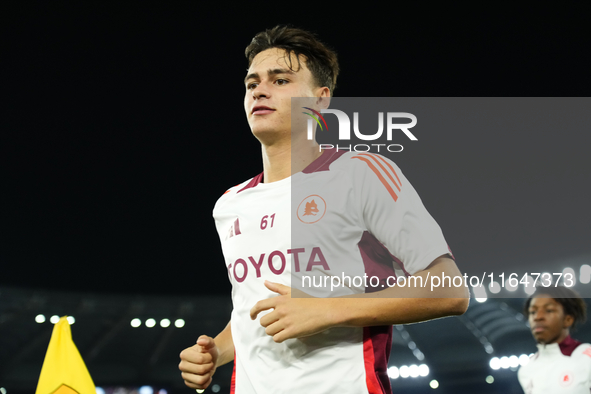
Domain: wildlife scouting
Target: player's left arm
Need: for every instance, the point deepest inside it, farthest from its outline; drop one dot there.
(409, 304)
(398, 219)
(295, 316)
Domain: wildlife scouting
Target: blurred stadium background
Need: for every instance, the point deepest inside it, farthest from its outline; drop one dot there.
(113, 122)
(131, 344)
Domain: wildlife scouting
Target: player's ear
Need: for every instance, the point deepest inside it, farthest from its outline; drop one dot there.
(323, 97)
(568, 321)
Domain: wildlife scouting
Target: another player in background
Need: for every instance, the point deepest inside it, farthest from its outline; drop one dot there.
(562, 364)
(284, 344)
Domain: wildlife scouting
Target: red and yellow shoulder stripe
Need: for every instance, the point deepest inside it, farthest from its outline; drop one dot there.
(230, 189)
(384, 171)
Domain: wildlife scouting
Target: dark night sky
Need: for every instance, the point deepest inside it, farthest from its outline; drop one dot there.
(122, 125)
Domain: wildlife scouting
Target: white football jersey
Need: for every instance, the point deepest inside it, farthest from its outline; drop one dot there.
(346, 215)
(563, 368)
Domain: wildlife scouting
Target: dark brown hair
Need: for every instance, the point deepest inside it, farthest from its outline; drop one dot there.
(571, 302)
(320, 60)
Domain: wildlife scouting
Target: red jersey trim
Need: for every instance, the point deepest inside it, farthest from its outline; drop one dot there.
(253, 182)
(324, 161)
(233, 381)
(377, 261)
(568, 345)
(320, 164)
(377, 342)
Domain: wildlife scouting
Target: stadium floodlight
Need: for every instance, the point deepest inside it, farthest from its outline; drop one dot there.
(530, 289)
(404, 371)
(513, 361)
(489, 379)
(146, 390)
(505, 363)
(418, 354)
(164, 323)
(494, 287)
(480, 293)
(495, 363)
(568, 277)
(423, 370)
(585, 274)
(40, 318)
(179, 323)
(135, 323)
(510, 283)
(71, 320)
(393, 373)
(54, 319)
(434, 384)
(150, 323)
(523, 359)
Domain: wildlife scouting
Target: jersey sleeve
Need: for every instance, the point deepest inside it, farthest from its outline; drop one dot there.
(395, 215)
(522, 379)
(586, 354)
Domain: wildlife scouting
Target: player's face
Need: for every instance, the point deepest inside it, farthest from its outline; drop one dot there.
(270, 85)
(547, 320)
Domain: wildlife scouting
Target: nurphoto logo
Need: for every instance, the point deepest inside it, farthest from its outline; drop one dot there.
(344, 132)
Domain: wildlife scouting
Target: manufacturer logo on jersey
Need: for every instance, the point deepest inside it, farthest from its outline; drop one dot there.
(311, 209)
(566, 378)
(234, 229)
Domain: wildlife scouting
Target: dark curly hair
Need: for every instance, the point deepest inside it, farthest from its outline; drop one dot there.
(320, 60)
(571, 302)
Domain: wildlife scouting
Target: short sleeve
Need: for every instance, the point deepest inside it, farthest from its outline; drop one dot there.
(586, 354)
(395, 215)
(521, 378)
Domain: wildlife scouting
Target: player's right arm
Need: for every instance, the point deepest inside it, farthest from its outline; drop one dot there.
(199, 362)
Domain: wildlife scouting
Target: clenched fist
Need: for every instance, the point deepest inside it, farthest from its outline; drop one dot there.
(198, 363)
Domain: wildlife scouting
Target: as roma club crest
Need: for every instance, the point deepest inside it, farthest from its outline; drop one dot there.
(311, 209)
(566, 378)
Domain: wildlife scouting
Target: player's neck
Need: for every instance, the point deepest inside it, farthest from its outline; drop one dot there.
(282, 160)
(559, 338)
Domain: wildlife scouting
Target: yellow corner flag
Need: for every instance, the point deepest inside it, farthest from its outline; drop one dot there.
(63, 370)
